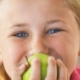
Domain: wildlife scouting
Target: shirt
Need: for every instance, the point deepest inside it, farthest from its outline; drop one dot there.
(76, 74)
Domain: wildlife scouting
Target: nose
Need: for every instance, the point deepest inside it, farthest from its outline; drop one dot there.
(38, 46)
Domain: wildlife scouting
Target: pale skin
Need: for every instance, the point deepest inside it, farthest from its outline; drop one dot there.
(33, 26)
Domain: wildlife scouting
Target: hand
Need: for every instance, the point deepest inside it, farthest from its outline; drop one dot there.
(17, 72)
(56, 70)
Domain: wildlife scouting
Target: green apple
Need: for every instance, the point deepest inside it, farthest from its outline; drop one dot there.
(44, 62)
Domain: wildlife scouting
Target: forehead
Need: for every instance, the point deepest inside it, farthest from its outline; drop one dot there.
(22, 10)
(20, 6)
(34, 1)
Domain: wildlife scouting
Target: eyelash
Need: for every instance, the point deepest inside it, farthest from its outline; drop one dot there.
(21, 34)
(50, 31)
(53, 31)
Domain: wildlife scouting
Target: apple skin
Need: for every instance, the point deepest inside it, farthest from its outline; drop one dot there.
(44, 63)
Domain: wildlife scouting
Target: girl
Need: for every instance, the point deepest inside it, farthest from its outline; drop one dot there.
(33, 26)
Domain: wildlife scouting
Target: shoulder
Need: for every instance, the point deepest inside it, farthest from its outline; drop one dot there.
(76, 74)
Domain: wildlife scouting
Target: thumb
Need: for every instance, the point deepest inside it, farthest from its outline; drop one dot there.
(16, 74)
(21, 69)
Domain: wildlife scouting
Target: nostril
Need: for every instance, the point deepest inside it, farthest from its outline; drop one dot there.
(38, 47)
(36, 52)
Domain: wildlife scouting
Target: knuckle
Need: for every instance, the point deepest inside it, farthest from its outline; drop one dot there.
(62, 78)
(35, 78)
(50, 78)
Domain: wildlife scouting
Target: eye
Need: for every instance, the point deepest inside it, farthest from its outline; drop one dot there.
(52, 31)
(21, 34)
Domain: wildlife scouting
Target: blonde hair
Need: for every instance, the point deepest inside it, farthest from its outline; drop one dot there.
(3, 74)
(74, 5)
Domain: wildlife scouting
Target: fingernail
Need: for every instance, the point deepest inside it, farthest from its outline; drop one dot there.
(35, 60)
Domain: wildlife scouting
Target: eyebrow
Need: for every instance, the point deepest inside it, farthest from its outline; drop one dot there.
(24, 24)
(54, 21)
(18, 25)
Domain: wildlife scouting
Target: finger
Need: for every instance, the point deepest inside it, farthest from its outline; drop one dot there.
(51, 70)
(68, 75)
(62, 70)
(17, 72)
(15, 75)
(35, 70)
(22, 68)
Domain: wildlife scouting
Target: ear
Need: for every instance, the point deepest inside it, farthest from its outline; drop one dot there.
(79, 52)
(79, 46)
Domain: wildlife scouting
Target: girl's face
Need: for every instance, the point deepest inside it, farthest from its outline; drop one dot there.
(33, 26)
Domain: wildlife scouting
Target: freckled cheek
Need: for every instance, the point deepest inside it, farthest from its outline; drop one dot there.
(19, 52)
(15, 52)
(59, 47)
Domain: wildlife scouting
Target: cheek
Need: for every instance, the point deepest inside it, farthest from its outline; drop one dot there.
(65, 49)
(12, 54)
(14, 51)
(60, 46)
